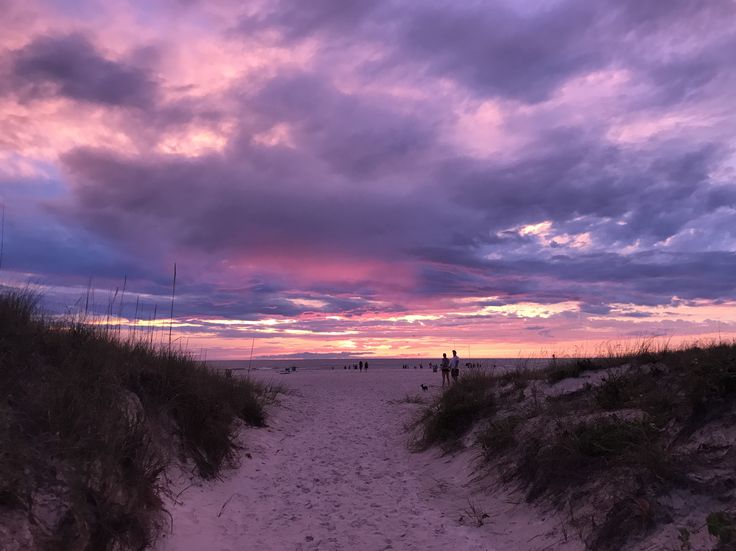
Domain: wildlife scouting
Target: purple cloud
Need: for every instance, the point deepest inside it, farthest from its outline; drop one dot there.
(70, 66)
(358, 159)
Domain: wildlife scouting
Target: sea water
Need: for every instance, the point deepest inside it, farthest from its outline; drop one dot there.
(502, 364)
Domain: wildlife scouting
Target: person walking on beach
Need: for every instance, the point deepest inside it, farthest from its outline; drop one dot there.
(365, 366)
(455, 366)
(445, 367)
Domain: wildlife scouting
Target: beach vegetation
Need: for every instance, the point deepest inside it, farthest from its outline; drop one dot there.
(476, 513)
(415, 399)
(721, 525)
(564, 369)
(89, 424)
(455, 411)
(574, 454)
(499, 435)
(638, 424)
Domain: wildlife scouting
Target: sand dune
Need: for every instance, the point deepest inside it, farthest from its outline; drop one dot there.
(333, 472)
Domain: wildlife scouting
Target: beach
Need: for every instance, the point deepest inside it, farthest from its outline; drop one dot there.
(333, 471)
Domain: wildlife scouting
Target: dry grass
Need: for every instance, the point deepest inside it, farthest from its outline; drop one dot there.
(415, 399)
(82, 419)
(621, 438)
(455, 411)
(499, 436)
(576, 454)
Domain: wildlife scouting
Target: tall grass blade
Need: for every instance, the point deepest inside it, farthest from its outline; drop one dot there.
(173, 294)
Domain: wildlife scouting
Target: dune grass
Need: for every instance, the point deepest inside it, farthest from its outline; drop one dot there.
(89, 423)
(576, 454)
(620, 438)
(455, 411)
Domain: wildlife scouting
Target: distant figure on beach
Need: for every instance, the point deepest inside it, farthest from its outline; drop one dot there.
(360, 365)
(365, 366)
(445, 367)
(455, 366)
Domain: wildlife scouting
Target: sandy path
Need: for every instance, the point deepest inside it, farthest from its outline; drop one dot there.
(331, 472)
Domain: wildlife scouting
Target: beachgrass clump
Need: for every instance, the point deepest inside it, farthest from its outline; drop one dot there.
(565, 369)
(615, 391)
(637, 426)
(576, 454)
(455, 411)
(88, 424)
(499, 435)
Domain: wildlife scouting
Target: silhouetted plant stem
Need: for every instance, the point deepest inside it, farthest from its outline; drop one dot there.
(173, 294)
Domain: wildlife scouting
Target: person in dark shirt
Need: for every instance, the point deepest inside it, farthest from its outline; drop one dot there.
(445, 368)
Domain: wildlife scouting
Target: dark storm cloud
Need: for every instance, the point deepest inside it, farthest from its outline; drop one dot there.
(496, 52)
(358, 136)
(262, 199)
(363, 177)
(654, 194)
(252, 209)
(650, 278)
(298, 20)
(597, 309)
(71, 66)
(58, 250)
(243, 304)
(346, 185)
(659, 16)
(491, 49)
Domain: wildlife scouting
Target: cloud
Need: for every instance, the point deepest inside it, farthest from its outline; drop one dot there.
(513, 51)
(359, 136)
(71, 66)
(497, 52)
(374, 160)
(298, 20)
(299, 206)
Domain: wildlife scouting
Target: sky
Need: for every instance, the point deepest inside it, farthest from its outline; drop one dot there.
(386, 178)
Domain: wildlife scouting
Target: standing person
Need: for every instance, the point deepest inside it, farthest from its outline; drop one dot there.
(360, 365)
(445, 365)
(365, 366)
(455, 366)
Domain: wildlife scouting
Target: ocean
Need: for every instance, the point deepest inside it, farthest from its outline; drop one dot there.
(502, 364)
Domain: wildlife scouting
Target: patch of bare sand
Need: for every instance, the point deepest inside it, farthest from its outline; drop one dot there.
(333, 471)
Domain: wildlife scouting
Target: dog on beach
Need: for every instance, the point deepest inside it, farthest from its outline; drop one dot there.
(425, 388)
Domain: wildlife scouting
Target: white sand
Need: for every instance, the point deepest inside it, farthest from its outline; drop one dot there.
(333, 472)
